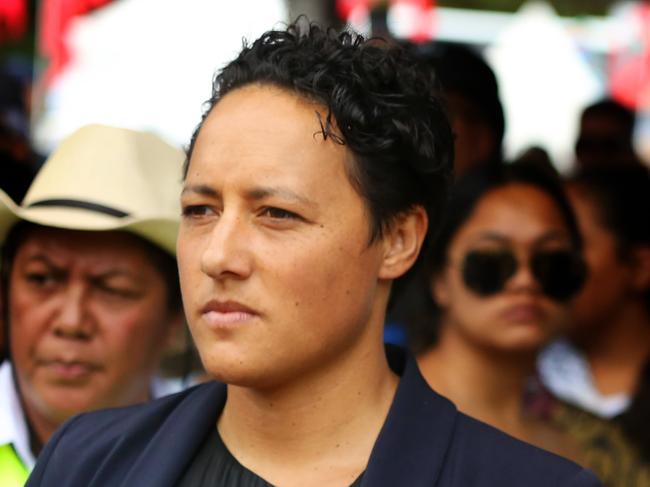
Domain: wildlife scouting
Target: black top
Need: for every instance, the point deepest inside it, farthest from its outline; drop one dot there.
(214, 465)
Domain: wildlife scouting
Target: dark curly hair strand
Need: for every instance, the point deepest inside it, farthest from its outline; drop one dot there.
(380, 102)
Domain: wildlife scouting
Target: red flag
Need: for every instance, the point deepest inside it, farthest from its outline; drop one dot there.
(13, 19)
(56, 16)
(629, 75)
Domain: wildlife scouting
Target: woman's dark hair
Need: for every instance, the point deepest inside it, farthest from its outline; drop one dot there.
(621, 196)
(379, 103)
(416, 308)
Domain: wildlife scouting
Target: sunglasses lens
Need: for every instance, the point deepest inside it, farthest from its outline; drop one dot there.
(560, 273)
(486, 272)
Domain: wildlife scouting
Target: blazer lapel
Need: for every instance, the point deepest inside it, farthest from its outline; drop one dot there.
(412, 444)
(171, 449)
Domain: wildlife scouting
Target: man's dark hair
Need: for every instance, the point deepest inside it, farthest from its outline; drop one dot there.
(380, 104)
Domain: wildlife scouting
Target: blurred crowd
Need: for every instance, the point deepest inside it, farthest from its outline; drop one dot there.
(531, 311)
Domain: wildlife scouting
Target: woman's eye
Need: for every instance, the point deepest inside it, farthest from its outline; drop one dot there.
(196, 210)
(280, 214)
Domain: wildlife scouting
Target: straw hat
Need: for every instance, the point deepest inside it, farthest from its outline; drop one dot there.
(105, 178)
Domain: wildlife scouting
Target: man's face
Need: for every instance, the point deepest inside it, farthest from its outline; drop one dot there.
(278, 277)
(89, 319)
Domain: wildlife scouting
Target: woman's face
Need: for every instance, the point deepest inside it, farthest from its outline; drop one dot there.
(518, 220)
(278, 278)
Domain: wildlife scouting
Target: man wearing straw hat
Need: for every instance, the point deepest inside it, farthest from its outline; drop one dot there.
(90, 285)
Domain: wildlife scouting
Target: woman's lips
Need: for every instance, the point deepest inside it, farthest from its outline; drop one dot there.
(226, 314)
(523, 314)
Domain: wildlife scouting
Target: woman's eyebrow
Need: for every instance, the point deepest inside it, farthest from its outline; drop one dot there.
(490, 236)
(260, 193)
(201, 189)
(553, 236)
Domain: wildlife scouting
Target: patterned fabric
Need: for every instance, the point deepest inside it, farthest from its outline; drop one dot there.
(605, 449)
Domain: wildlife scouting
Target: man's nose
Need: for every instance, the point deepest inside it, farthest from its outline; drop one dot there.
(227, 252)
(72, 320)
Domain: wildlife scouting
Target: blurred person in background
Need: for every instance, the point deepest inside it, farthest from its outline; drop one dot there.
(18, 162)
(599, 364)
(606, 136)
(599, 374)
(90, 288)
(471, 93)
(319, 168)
(495, 289)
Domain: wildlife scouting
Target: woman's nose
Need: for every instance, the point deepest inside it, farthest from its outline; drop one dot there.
(227, 251)
(523, 279)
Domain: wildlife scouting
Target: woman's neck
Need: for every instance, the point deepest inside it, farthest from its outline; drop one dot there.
(321, 427)
(618, 350)
(483, 383)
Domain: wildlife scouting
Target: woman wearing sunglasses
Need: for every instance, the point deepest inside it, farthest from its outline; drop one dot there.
(496, 287)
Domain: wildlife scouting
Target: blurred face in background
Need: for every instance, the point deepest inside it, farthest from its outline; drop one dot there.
(610, 279)
(475, 142)
(510, 228)
(89, 320)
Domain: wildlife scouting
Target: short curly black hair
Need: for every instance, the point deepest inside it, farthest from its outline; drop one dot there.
(380, 102)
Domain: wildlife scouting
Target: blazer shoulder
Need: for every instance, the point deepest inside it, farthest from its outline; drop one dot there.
(113, 422)
(111, 438)
(486, 451)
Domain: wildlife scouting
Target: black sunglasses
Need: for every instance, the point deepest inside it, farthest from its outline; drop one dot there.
(560, 273)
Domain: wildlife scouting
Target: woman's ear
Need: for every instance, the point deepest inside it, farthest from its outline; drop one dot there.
(402, 242)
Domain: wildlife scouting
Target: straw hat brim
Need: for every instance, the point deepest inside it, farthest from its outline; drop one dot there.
(160, 231)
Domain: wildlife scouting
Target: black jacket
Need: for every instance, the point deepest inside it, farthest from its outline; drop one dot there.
(425, 441)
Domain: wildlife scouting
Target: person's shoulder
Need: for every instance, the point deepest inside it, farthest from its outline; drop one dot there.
(112, 439)
(509, 461)
(135, 420)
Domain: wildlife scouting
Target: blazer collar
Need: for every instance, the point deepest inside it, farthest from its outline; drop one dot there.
(176, 441)
(409, 450)
(413, 442)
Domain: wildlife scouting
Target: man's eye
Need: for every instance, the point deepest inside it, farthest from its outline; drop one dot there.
(117, 292)
(41, 278)
(280, 214)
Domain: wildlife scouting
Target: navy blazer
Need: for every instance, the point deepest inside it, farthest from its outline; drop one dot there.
(425, 441)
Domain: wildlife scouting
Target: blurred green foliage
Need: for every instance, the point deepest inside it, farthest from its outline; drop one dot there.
(568, 8)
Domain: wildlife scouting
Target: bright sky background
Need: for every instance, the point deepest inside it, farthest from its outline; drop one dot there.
(148, 64)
